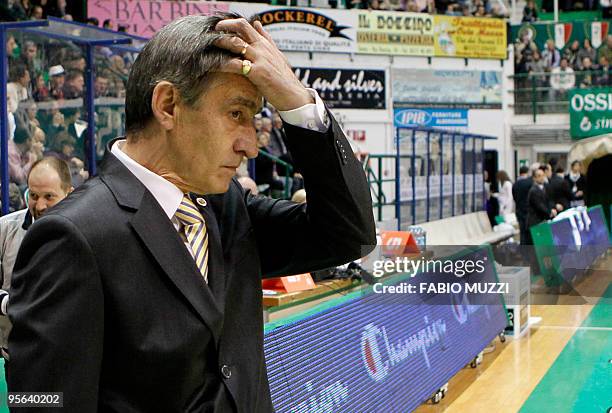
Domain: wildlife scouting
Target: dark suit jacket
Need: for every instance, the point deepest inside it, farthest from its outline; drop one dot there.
(559, 192)
(539, 206)
(520, 192)
(109, 308)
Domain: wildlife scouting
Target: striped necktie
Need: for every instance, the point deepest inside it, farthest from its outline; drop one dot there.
(193, 229)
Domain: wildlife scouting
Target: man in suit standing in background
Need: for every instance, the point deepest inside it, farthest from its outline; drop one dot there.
(520, 192)
(540, 209)
(141, 292)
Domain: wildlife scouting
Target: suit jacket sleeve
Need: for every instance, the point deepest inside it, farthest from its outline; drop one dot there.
(57, 310)
(537, 202)
(334, 227)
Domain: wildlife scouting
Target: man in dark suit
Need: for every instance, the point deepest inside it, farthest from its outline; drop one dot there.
(141, 292)
(520, 191)
(558, 191)
(539, 205)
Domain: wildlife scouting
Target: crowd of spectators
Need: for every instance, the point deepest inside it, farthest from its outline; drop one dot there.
(576, 65)
(45, 91)
(33, 10)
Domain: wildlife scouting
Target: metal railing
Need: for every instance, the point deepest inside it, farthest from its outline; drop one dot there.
(535, 94)
(288, 177)
(375, 176)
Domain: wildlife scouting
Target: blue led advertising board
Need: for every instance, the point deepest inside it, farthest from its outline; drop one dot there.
(370, 352)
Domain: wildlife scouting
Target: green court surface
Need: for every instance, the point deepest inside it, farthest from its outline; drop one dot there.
(580, 379)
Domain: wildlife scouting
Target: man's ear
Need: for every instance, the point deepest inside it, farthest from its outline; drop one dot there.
(164, 101)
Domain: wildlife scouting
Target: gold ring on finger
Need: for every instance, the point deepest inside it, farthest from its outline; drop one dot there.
(246, 67)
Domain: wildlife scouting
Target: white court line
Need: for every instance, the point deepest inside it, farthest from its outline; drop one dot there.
(573, 328)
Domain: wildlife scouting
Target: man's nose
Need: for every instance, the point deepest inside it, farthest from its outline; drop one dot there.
(41, 205)
(247, 143)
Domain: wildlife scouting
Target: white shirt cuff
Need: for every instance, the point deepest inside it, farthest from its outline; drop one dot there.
(311, 116)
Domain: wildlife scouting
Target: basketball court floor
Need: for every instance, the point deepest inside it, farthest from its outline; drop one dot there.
(562, 364)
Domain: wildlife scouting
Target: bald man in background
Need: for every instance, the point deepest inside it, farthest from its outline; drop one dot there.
(49, 182)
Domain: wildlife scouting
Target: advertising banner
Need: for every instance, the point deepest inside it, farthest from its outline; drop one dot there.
(330, 30)
(456, 119)
(447, 88)
(389, 33)
(590, 112)
(482, 38)
(346, 88)
(145, 17)
(303, 29)
(359, 354)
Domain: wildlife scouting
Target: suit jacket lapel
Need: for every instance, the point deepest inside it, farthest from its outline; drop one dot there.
(162, 240)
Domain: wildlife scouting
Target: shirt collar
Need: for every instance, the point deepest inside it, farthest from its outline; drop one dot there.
(167, 195)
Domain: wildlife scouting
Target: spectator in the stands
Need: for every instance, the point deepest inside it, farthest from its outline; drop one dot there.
(36, 13)
(603, 76)
(15, 198)
(21, 9)
(257, 123)
(525, 43)
(93, 21)
(74, 85)
(11, 47)
(62, 147)
(77, 172)
(101, 86)
(571, 54)
(520, 191)
(586, 75)
(31, 110)
(499, 11)
(52, 120)
(539, 208)
(577, 183)
(558, 191)
(30, 59)
(606, 48)
(551, 55)
(562, 79)
(57, 76)
(23, 151)
(504, 196)
(57, 8)
(530, 12)
(17, 90)
(265, 168)
(481, 11)
(75, 61)
(40, 91)
(452, 9)
(586, 51)
(108, 24)
(537, 68)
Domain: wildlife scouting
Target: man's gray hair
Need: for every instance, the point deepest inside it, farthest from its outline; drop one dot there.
(182, 53)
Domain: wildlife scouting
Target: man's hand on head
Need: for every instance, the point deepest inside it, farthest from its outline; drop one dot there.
(270, 71)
